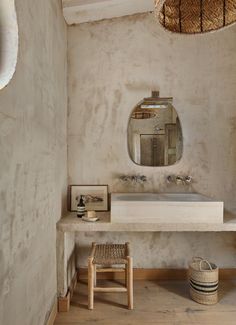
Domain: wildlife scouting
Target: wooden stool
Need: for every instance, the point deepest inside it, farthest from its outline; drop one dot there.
(107, 255)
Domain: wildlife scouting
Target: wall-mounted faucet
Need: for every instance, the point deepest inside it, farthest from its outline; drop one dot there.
(179, 179)
(133, 178)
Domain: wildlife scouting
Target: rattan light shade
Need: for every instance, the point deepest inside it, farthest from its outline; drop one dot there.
(195, 16)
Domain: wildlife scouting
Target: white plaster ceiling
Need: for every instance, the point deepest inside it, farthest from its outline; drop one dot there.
(81, 11)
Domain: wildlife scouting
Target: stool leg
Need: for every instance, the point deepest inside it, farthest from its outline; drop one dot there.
(90, 283)
(95, 275)
(130, 282)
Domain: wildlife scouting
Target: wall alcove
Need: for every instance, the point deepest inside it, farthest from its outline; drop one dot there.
(8, 41)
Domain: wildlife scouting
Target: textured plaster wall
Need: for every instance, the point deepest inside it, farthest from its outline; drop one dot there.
(113, 64)
(33, 168)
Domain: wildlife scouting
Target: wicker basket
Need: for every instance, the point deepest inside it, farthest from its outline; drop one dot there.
(203, 281)
(195, 16)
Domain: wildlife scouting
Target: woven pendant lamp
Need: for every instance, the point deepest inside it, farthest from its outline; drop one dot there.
(195, 16)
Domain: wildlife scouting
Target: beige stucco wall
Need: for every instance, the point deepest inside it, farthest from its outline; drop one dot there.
(33, 168)
(113, 64)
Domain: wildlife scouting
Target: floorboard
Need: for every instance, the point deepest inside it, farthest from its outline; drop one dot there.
(154, 303)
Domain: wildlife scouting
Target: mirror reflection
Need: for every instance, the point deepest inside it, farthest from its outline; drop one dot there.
(154, 132)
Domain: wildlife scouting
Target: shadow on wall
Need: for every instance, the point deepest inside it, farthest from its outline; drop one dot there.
(8, 41)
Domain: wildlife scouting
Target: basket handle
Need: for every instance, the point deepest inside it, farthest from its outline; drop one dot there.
(206, 261)
(197, 258)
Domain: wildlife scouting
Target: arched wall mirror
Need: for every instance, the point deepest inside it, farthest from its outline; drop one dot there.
(155, 133)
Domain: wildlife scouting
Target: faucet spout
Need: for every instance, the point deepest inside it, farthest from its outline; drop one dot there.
(179, 179)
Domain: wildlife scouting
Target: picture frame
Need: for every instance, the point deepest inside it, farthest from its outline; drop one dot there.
(96, 197)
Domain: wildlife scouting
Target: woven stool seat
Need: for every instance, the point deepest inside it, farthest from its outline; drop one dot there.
(110, 254)
(102, 259)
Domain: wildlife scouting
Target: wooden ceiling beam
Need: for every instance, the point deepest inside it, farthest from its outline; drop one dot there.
(81, 11)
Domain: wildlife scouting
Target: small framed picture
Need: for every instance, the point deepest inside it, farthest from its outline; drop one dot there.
(95, 197)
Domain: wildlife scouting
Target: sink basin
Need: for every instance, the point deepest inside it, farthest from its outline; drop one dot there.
(165, 208)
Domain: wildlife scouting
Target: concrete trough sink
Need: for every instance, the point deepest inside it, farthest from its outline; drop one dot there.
(165, 208)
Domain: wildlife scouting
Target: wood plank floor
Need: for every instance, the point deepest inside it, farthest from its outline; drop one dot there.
(154, 303)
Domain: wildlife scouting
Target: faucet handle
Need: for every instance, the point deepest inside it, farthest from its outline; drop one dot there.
(124, 178)
(188, 179)
(143, 178)
(170, 178)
